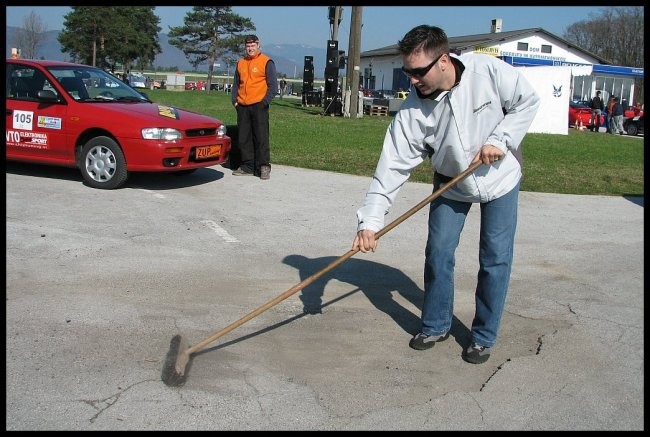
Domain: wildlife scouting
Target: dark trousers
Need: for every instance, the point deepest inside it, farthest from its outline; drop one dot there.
(253, 131)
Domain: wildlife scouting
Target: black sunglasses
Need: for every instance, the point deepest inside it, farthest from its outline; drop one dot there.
(422, 71)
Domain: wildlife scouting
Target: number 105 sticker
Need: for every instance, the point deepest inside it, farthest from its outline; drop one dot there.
(23, 120)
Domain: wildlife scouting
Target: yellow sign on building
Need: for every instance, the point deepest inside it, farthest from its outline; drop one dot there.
(494, 51)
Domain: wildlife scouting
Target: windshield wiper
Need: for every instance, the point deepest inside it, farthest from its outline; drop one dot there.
(132, 99)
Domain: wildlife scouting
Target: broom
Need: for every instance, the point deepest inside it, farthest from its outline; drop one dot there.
(179, 354)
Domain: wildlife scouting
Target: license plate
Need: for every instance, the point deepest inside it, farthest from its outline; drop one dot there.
(207, 152)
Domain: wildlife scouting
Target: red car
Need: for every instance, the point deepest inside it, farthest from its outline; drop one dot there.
(79, 116)
(580, 112)
(194, 86)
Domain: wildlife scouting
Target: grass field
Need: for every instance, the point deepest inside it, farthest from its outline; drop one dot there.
(578, 163)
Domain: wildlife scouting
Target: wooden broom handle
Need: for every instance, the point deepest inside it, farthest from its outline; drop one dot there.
(311, 279)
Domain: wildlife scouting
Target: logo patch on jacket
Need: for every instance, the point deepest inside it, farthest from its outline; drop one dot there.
(482, 107)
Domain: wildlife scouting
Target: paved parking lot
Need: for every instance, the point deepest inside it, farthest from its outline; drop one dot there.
(98, 282)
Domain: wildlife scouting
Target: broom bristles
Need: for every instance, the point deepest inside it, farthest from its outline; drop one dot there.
(173, 372)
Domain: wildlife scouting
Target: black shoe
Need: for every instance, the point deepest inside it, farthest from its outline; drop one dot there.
(476, 354)
(265, 172)
(422, 341)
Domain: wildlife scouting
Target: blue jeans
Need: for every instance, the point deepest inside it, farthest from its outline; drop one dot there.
(497, 235)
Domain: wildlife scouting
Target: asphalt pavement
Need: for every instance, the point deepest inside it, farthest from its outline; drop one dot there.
(98, 282)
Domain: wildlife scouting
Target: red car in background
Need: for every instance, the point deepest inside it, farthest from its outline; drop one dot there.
(79, 116)
(581, 113)
(195, 86)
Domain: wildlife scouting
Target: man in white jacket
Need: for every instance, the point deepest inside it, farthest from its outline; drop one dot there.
(461, 109)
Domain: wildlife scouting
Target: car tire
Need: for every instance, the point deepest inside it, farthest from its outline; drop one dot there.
(632, 129)
(102, 164)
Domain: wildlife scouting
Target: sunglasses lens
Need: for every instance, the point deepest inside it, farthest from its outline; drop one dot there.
(421, 71)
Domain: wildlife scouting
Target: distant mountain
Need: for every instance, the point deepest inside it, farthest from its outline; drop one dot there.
(289, 58)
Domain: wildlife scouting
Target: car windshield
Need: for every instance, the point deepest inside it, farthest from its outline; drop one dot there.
(89, 84)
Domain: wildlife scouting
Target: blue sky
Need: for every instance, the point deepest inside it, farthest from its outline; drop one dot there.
(382, 25)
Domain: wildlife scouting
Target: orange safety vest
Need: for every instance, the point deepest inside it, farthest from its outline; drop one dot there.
(252, 79)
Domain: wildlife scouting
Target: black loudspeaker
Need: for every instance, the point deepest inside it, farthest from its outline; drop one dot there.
(332, 54)
(332, 104)
(312, 98)
(331, 84)
(342, 59)
(332, 71)
(308, 74)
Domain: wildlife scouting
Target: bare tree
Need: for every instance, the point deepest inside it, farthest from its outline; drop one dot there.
(31, 35)
(615, 35)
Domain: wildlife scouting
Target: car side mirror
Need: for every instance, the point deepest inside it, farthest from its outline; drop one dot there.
(47, 96)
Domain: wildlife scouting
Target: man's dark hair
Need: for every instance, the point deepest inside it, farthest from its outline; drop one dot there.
(429, 39)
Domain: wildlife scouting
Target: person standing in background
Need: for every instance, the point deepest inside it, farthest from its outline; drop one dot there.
(283, 87)
(610, 115)
(597, 106)
(617, 111)
(254, 86)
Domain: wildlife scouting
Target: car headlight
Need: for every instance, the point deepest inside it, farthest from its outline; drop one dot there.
(221, 130)
(158, 133)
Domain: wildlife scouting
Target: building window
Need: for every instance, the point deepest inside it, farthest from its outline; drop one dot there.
(522, 46)
(546, 48)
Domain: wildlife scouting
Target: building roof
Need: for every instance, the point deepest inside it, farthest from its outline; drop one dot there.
(460, 43)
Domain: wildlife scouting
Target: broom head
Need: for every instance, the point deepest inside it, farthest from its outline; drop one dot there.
(173, 373)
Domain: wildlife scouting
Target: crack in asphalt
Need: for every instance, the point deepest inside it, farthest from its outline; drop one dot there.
(110, 400)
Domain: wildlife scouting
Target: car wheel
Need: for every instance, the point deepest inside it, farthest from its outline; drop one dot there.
(632, 129)
(102, 164)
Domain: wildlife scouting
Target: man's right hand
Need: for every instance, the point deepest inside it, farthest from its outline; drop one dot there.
(365, 241)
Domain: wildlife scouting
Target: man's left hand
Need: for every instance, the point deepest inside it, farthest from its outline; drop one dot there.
(489, 154)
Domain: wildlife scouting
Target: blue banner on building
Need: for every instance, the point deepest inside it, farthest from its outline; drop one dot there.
(615, 70)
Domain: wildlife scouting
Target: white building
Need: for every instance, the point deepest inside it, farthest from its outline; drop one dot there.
(381, 68)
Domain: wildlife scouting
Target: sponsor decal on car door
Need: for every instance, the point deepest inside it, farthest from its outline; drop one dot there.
(36, 130)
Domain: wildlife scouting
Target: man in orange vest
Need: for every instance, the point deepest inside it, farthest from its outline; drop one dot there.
(254, 86)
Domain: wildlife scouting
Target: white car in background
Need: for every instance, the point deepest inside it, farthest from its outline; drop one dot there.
(137, 81)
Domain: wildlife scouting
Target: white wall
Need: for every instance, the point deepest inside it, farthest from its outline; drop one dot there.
(553, 84)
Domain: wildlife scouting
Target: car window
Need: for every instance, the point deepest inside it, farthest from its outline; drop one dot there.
(76, 87)
(89, 84)
(24, 83)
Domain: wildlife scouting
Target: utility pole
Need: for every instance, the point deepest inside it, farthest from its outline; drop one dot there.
(336, 14)
(354, 59)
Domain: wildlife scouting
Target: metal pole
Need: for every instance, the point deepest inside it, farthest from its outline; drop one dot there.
(354, 59)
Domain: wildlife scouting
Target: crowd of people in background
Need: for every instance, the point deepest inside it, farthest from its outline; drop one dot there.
(614, 111)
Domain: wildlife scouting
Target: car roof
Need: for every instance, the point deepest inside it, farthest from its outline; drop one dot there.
(46, 63)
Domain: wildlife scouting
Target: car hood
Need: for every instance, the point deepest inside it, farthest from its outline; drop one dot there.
(157, 113)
